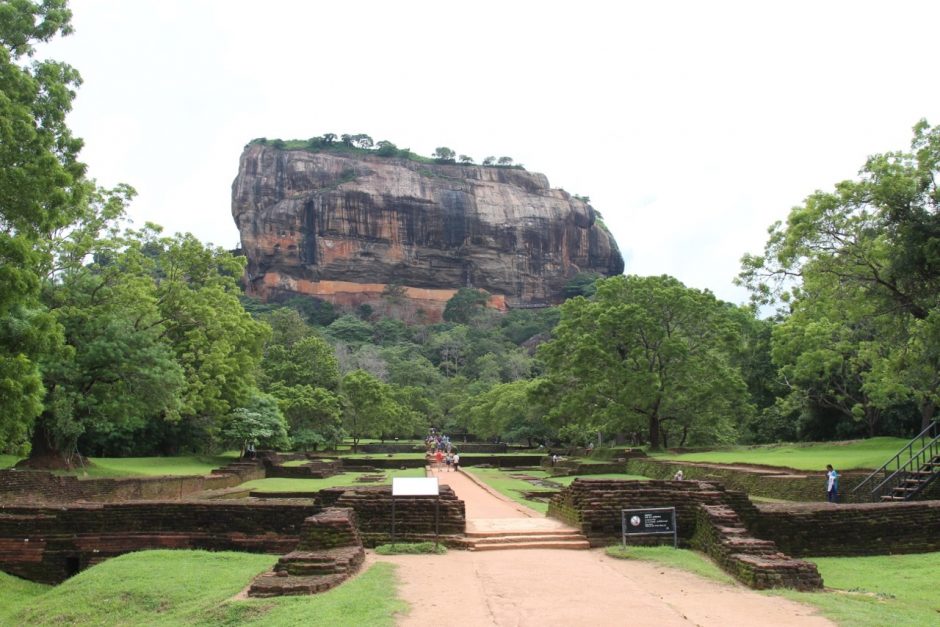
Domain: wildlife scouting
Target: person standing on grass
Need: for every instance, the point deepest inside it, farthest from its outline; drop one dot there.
(832, 484)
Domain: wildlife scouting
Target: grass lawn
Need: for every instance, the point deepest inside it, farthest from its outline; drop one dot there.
(502, 482)
(314, 485)
(8, 460)
(856, 454)
(192, 587)
(154, 466)
(897, 590)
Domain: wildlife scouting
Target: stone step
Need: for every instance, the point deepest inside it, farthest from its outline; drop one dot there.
(517, 539)
(492, 533)
(534, 544)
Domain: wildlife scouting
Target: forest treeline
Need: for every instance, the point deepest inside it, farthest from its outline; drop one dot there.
(121, 341)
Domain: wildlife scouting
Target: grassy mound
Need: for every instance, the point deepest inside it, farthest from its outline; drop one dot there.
(516, 489)
(192, 587)
(275, 484)
(856, 454)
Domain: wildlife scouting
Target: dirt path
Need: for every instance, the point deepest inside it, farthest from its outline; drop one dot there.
(555, 587)
(540, 587)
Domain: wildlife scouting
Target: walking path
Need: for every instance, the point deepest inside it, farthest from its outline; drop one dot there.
(551, 587)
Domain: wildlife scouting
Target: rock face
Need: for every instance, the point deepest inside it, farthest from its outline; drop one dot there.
(344, 228)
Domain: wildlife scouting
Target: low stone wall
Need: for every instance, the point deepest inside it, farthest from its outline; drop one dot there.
(380, 463)
(790, 486)
(573, 467)
(824, 529)
(497, 461)
(707, 516)
(49, 544)
(44, 487)
(468, 447)
(593, 506)
(314, 469)
(414, 515)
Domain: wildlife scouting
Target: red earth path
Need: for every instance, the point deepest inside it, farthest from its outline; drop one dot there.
(542, 587)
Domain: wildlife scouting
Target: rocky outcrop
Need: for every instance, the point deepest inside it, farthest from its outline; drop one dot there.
(346, 227)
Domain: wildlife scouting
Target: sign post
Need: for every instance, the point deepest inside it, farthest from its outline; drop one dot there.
(417, 486)
(648, 522)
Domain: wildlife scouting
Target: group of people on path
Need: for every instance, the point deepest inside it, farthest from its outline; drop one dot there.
(441, 461)
(441, 454)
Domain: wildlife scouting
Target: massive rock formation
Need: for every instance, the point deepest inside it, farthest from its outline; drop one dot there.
(345, 227)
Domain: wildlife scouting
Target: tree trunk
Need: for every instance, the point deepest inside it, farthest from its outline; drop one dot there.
(42, 453)
(685, 435)
(927, 409)
(871, 418)
(654, 432)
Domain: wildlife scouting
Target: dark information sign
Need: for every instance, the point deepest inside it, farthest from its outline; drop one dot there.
(650, 521)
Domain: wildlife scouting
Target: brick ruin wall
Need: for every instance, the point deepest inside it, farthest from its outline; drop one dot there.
(496, 461)
(752, 542)
(49, 544)
(414, 515)
(795, 486)
(593, 506)
(44, 487)
(823, 529)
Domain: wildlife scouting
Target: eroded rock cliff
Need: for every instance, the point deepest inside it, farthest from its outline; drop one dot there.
(345, 227)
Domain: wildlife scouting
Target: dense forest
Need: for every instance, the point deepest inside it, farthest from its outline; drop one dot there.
(120, 341)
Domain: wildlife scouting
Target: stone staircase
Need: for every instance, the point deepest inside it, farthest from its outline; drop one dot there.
(522, 533)
(758, 563)
(329, 552)
(908, 473)
(915, 481)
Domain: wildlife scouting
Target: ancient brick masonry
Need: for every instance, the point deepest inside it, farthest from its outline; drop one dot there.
(49, 544)
(708, 517)
(593, 505)
(759, 564)
(771, 483)
(856, 529)
(329, 552)
(33, 486)
(414, 518)
(313, 469)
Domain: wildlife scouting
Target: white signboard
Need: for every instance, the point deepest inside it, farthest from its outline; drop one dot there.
(415, 486)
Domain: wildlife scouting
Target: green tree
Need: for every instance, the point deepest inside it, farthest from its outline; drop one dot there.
(308, 361)
(465, 159)
(444, 154)
(370, 407)
(386, 148)
(646, 351)
(259, 423)
(505, 161)
(115, 371)
(313, 414)
(489, 161)
(217, 343)
(42, 189)
(875, 239)
(464, 305)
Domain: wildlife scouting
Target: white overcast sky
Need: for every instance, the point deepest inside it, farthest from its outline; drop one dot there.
(691, 125)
